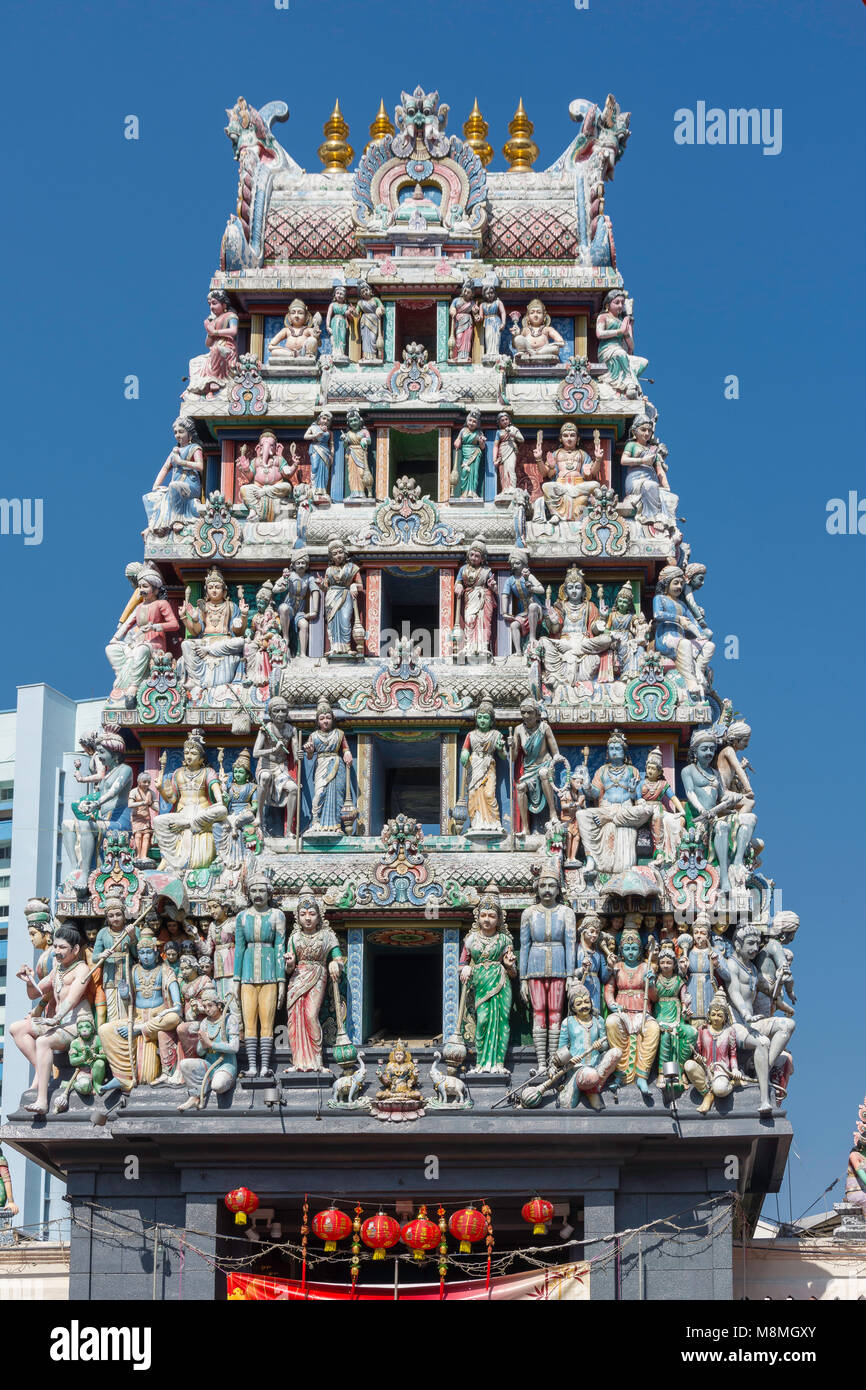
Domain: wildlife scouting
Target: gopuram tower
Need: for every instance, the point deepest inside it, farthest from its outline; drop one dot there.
(418, 870)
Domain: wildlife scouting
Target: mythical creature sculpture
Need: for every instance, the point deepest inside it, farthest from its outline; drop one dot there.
(420, 119)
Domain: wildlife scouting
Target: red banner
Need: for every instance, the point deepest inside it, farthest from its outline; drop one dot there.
(562, 1283)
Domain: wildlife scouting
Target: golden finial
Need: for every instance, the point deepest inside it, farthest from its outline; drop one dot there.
(520, 151)
(381, 126)
(336, 154)
(475, 134)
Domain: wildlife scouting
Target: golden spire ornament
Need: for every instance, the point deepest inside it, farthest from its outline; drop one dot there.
(381, 126)
(520, 151)
(336, 153)
(475, 134)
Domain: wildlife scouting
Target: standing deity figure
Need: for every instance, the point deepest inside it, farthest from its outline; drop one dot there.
(298, 339)
(578, 647)
(276, 764)
(142, 812)
(475, 600)
(220, 944)
(774, 961)
(260, 970)
(176, 495)
(505, 449)
(114, 953)
(492, 313)
(766, 1036)
(646, 484)
(185, 834)
(470, 453)
(131, 649)
(300, 607)
(210, 372)
(732, 768)
(154, 1009)
(356, 448)
(667, 821)
(217, 1043)
(66, 988)
(337, 320)
(670, 1009)
(537, 343)
(312, 958)
(239, 795)
(548, 941)
(630, 1024)
(536, 751)
(522, 594)
(343, 586)
(104, 810)
(328, 747)
(487, 967)
(700, 969)
(629, 631)
(267, 479)
(677, 635)
(614, 329)
(370, 312)
(595, 1061)
(464, 314)
(213, 649)
(573, 476)
(609, 830)
(712, 806)
(264, 646)
(321, 452)
(481, 747)
(593, 960)
(713, 1070)
(572, 798)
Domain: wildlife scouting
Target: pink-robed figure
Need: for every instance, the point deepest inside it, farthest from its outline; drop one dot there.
(209, 373)
(476, 586)
(312, 958)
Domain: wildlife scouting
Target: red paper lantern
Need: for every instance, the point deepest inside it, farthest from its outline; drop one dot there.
(420, 1235)
(243, 1203)
(538, 1212)
(330, 1226)
(467, 1225)
(380, 1232)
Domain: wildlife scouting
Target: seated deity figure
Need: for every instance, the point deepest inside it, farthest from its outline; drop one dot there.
(609, 830)
(764, 1036)
(369, 316)
(185, 834)
(66, 988)
(578, 647)
(464, 314)
(492, 321)
(157, 1009)
(505, 449)
(313, 958)
(614, 330)
(583, 1033)
(321, 451)
(668, 813)
(573, 477)
(339, 316)
(548, 941)
(267, 479)
(714, 1069)
(481, 747)
(710, 804)
(264, 645)
(677, 635)
(328, 748)
(470, 453)
(300, 608)
(213, 649)
(276, 764)
(176, 495)
(298, 339)
(536, 751)
(107, 809)
(343, 587)
(357, 442)
(646, 487)
(209, 373)
(475, 600)
(630, 632)
(521, 606)
(130, 651)
(630, 1024)
(537, 343)
(214, 1068)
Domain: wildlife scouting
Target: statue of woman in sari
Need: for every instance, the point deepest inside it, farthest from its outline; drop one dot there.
(370, 312)
(464, 314)
(130, 651)
(646, 484)
(505, 451)
(677, 635)
(470, 452)
(184, 835)
(321, 453)
(176, 495)
(629, 630)
(312, 958)
(487, 966)
(356, 448)
(213, 650)
(209, 373)
(337, 324)
(614, 329)
(342, 584)
(475, 586)
(328, 748)
(578, 647)
(481, 747)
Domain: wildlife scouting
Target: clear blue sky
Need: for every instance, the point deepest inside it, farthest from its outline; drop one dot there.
(739, 263)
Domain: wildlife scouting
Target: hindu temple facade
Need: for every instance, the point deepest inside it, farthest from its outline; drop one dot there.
(416, 861)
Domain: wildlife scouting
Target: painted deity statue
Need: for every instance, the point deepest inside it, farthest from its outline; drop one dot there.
(89, 1065)
(343, 588)
(855, 1177)
(670, 1000)
(537, 343)
(475, 600)
(464, 313)
(470, 453)
(593, 960)
(214, 646)
(321, 452)
(260, 970)
(667, 822)
(521, 601)
(506, 445)
(713, 1068)
(578, 645)
(646, 486)
(175, 498)
(536, 752)
(630, 632)
(113, 952)
(764, 1036)
(209, 373)
(774, 962)
(298, 339)
(399, 1076)
(572, 798)
(107, 809)
(487, 967)
(312, 958)
(614, 329)
(264, 647)
(151, 1053)
(357, 442)
(492, 321)
(548, 942)
(142, 812)
(711, 805)
(732, 768)
(193, 984)
(8, 1205)
(328, 748)
(267, 479)
(44, 1040)
(239, 796)
(700, 970)
(370, 312)
(214, 1068)
(573, 475)
(130, 651)
(630, 1023)
(677, 635)
(185, 834)
(339, 316)
(276, 764)
(595, 1061)
(40, 929)
(481, 747)
(220, 944)
(609, 829)
(300, 608)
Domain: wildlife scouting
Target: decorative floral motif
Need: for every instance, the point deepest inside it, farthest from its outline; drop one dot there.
(248, 394)
(693, 882)
(161, 697)
(577, 394)
(216, 532)
(405, 683)
(409, 519)
(602, 530)
(651, 695)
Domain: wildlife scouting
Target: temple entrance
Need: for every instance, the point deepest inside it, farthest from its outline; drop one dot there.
(403, 986)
